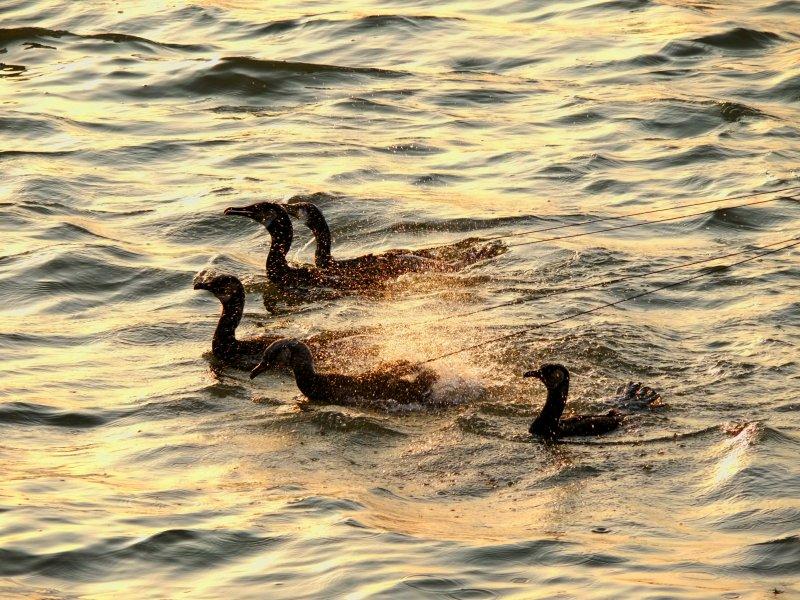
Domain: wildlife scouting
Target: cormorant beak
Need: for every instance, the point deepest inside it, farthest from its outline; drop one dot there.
(260, 368)
(245, 211)
(535, 373)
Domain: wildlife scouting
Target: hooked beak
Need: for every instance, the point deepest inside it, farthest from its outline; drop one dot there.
(245, 211)
(260, 368)
(535, 373)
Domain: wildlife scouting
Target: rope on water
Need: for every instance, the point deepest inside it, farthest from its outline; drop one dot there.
(599, 284)
(644, 212)
(794, 242)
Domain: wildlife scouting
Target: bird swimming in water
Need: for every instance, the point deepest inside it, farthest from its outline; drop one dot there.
(275, 218)
(392, 263)
(225, 346)
(550, 425)
(385, 388)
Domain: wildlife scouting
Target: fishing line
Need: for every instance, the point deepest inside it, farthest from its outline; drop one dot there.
(639, 224)
(795, 242)
(598, 284)
(648, 212)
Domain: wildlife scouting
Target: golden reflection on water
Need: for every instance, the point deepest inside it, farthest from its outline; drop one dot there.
(542, 117)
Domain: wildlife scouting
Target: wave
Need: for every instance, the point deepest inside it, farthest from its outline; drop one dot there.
(740, 38)
(247, 76)
(23, 413)
(365, 24)
(171, 549)
(779, 556)
(27, 34)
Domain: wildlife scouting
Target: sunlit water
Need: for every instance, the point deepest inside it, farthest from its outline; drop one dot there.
(133, 466)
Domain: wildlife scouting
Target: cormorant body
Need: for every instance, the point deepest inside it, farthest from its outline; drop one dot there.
(392, 263)
(374, 389)
(551, 425)
(244, 353)
(275, 218)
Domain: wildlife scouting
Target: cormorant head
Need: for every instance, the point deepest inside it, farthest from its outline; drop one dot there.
(284, 353)
(263, 212)
(553, 376)
(300, 210)
(222, 286)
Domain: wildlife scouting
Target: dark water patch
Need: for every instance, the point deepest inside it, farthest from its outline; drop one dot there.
(747, 218)
(23, 413)
(698, 155)
(410, 149)
(153, 151)
(318, 198)
(582, 117)
(478, 97)
(614, 5)
(780, 520)
(437, 179)
(567, 475)
(26, 126)
(154, 334)
(457, 225)
(416, 20)
(774, 557)
(679, 49)
(754, 482)
(733, 111)
(92, 278)
(359, 105)
(27, 153)
(790, 7)
(608, 186)
(68, 232)
(27, 34)
(788, 90)
(324, 505)
(740, 38)
(278, 27)
(173, 550)
(253, 77)
(543, 552)
(186, 404)
(7, 70)
(331, 421)
(18, 340)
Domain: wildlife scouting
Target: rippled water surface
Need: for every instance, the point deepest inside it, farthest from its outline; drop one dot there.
(133, 465)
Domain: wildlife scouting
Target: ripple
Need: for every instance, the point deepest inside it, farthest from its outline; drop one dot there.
(23, 413)
(26, 34)
(173, 550)
(740, 38)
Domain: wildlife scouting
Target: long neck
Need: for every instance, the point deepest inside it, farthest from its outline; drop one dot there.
(224, 343)
(547, 422)
(322, 233)
(307, 379)
(281, 232)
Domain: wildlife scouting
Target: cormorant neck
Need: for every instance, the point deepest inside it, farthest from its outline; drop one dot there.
(322, 234)
(546, 424)
(306, 377)
(224, 343)
(280, 229)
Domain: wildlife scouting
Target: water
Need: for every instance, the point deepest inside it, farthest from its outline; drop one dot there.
(132, 465)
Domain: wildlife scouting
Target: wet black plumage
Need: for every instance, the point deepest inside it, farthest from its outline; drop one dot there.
(226, 347)
(392, 263)
(551, 425)
(401, 384)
